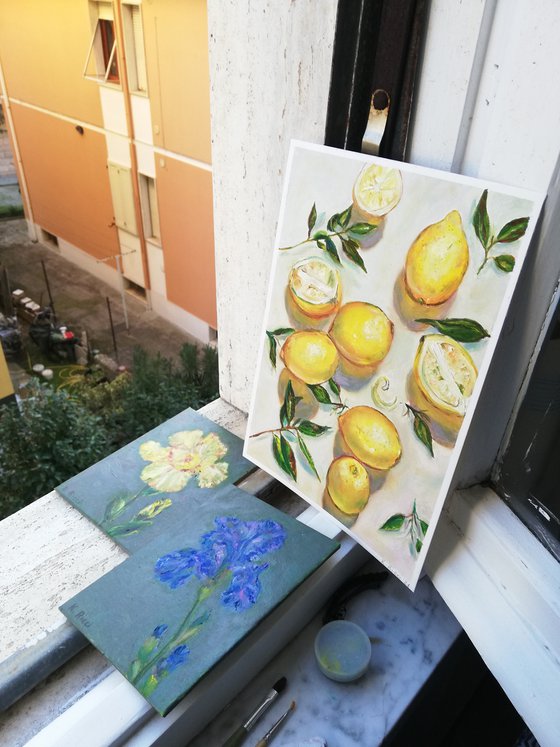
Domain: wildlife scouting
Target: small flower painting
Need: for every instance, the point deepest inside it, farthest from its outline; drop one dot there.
(172, 611)
(229, 560)
(144, 487)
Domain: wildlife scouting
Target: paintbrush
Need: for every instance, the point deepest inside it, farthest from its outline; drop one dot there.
(272, 731)
(240, 733)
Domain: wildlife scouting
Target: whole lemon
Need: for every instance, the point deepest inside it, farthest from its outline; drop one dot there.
(362, 332)
(310, 355)
(348, 484)
(445, 373)
(315, 287)
(371, 437)
(437, 261)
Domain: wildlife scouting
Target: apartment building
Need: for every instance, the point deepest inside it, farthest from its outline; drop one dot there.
(107, 106)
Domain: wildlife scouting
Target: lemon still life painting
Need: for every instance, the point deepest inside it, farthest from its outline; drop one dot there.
(389, 287)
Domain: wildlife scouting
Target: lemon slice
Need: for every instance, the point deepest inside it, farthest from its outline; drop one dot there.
(445, 373)
(377, 190)
(315, 287)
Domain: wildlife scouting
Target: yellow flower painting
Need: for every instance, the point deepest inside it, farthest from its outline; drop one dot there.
(141, 491)
(189, 454)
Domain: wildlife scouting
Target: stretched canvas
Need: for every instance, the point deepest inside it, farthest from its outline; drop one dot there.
(390, 284)
(142, 490)
(171, 611)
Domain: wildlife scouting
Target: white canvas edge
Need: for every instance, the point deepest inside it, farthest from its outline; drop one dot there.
(537, 198)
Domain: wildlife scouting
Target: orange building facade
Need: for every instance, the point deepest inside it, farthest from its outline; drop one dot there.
(107, 106)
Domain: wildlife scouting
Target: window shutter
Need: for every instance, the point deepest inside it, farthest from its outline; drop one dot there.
(138, 34)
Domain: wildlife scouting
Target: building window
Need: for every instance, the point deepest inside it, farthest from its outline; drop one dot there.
(134, 45)
(150, 214)
(102, 61)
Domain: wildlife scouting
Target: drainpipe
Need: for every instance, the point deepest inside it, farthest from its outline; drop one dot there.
(123, 73)
(31, 229)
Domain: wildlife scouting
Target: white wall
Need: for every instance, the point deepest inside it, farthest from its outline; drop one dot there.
(488, 105)
(270, 68)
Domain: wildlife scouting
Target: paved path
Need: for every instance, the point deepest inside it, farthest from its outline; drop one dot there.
(80, 298)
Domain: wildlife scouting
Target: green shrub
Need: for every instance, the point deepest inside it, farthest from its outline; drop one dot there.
(45, 440)
(54, 435)
(158, 389)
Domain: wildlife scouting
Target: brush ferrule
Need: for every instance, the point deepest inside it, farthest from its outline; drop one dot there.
(267, 702)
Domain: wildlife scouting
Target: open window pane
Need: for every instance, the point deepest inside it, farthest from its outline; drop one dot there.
(102, 61)
(530, 472)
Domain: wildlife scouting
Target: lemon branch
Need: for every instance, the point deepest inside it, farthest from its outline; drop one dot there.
(347, 235)
(512, 231)
(282, 449)
(274, 430)
(319, 235)
(408, 524)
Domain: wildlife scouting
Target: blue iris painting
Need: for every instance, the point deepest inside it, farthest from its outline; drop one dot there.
(229, 562)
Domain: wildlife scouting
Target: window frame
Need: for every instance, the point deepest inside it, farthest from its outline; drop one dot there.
(102, 53)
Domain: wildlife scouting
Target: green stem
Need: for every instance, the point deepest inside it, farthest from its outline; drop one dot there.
(274, 430)
(203, 593)
(146, 490)
(312, 240)
(487, 249)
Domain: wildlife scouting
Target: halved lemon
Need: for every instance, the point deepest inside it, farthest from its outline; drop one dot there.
(315, 287)
(377, 190)
(445, 373)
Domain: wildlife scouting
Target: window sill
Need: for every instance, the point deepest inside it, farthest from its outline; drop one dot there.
(104, 83)
(497, 579)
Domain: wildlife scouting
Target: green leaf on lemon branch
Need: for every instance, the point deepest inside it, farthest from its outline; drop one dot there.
(421, 427)
(394, 524)
(320, 394)
(272, 344)
(312, 429)
(481, 220)
(344, 217)
(311, 220)
(504, 262)
(331, 249)
(462, 330)
(334, 387)
(512, 231)
(284, 455)
(333, 222)
(350, 249)
(288, 409)
(306, 454)
(362, 229)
